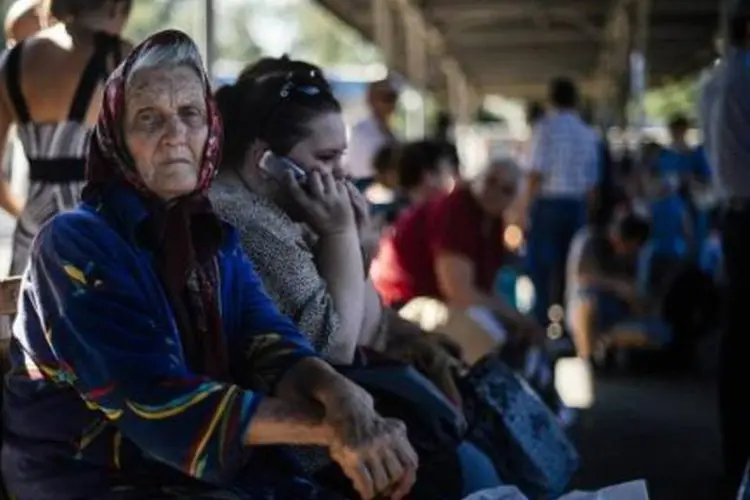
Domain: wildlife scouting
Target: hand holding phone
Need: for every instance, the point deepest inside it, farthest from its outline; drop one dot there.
(277, 166)
(322, 202)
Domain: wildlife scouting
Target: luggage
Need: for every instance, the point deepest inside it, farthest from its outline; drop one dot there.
(510, 423)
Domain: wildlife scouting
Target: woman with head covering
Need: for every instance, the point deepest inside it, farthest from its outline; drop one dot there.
(147, 360)
(51, 84)
(304, 235)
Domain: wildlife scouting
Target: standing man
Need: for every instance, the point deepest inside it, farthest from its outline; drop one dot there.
(730, 146)
(372, 133)
(562, 175)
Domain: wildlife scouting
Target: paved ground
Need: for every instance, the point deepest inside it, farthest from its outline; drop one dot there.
(662, 429)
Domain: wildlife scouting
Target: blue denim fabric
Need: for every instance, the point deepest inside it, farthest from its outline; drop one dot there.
(554, 222)
(610, 309)
(477, 469)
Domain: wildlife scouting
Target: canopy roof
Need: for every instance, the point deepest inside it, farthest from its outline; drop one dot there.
(513, 47)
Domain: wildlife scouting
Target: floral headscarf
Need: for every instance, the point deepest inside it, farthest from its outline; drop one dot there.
(108, 156)
(186, 234)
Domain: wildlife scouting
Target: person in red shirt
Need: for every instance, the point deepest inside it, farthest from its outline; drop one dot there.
(451, 247)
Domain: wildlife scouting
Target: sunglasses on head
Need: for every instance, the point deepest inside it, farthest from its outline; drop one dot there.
(292, 85)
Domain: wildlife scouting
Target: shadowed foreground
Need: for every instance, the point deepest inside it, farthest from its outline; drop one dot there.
(660, 428)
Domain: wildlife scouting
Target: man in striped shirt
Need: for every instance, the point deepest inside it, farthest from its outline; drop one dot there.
(562, 174)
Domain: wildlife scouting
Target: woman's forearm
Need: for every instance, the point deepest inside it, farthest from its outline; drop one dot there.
(8, 200)
(340, 265)
(277, 422)
(505, 311)
(372, 318)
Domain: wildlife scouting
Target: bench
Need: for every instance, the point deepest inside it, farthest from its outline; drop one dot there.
(9, 291)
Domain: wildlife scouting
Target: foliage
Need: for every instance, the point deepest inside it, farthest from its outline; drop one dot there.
(677, 97)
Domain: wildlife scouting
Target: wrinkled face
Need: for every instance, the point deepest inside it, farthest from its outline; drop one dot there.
(324, 146)
(496, 189)
(166, 128)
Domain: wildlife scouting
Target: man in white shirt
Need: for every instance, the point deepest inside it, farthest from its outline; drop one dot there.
(371, 134)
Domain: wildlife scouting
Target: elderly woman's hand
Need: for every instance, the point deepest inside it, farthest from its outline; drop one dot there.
(323, 203)
(372, 451)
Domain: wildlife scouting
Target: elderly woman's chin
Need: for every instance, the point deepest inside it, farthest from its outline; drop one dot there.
(172, 180)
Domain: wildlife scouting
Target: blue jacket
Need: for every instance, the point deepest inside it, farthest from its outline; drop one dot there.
(99, 397)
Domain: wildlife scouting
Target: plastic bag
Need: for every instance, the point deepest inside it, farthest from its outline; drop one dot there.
(634, 490)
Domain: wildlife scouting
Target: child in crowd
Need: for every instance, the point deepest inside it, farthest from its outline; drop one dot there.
(384, 195)
(680, 158)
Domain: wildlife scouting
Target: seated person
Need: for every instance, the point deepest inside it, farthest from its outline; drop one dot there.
(450, 249)
(425, 170)
(422, 169)
(147, 360)
(384, 195)
(305, 238)
(602, 289)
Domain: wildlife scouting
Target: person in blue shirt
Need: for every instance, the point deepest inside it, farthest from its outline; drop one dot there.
(147, 360)
(671, 229)
(680, 158)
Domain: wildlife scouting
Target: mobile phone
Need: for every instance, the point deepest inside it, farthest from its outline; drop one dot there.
(277, 166)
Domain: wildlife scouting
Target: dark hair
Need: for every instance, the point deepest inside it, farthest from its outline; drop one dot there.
(63, 10)
(534, 112)
(386, 159)
(416, 160)
(633, 229)
(679, 122)
(563, 93)
(443, 124)
(273, 100)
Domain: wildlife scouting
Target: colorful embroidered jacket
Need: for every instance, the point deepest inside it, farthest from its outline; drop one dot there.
(99, 397)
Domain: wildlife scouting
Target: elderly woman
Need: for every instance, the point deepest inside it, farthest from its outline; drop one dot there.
(147, 360)
(304, 236)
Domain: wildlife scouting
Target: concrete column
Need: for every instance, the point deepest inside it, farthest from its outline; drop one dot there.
(382, 21)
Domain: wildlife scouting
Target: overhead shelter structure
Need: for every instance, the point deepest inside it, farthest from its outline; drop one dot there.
(464, 49)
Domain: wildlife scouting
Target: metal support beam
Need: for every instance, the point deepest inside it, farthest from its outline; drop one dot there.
(678, 33)
(639, 62)
(210, 34)
(434, 47)
(613, 65)
(382, 21)
(416, 46)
